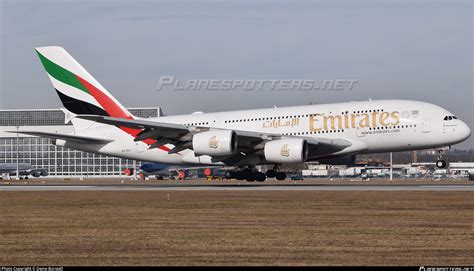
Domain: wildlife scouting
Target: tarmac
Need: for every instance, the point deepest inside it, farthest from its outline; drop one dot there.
(237, 187)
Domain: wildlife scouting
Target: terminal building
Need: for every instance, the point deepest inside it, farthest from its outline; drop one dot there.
(58, 161)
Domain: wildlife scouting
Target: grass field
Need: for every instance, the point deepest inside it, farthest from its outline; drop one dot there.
(237, 228)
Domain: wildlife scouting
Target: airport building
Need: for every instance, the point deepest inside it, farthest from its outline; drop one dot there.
(58, 161)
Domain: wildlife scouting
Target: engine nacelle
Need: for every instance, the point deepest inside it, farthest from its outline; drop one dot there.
(344, 160)
(215, 143)
(291, 150)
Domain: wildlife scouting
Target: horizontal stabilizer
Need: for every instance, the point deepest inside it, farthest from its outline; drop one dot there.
(132, 123)
(69, 137)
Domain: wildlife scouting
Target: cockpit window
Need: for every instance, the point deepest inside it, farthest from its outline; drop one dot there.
(450, 118)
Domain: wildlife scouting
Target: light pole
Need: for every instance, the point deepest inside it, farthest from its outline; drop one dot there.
(134, 170)
(17, 154)
(391, 167)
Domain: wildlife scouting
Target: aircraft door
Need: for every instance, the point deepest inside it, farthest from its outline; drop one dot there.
(425, 126)
(361, 132)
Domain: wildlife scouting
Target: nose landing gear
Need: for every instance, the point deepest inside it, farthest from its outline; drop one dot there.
(441, 163)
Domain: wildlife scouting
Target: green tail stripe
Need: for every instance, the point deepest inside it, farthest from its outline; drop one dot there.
(61, 74)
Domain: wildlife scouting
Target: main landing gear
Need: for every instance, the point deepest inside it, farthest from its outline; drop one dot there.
(441, 163)
(274, 173)
(250, 174)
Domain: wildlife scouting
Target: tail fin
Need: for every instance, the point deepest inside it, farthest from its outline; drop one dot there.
(79, 92)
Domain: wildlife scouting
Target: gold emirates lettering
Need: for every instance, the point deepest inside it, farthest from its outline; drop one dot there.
(319, 122)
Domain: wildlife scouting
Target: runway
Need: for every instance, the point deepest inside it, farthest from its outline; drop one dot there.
(238, 187)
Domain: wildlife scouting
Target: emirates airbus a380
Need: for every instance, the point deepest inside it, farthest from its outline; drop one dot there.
(334, 133)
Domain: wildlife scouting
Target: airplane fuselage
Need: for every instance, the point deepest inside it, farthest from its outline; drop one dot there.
(371, 127)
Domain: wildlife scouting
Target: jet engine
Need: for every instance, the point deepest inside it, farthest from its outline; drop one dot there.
(215, 143)
(291, 150)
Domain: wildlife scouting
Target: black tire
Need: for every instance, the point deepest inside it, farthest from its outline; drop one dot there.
(239, 176)
(260, 177)
(441, 164)
(280, 176)
(271, 173)
(229, 175)
(246, 172)
(250, 178)
(248, 175)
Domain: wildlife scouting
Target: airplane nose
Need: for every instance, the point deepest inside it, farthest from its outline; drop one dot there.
(464, 131)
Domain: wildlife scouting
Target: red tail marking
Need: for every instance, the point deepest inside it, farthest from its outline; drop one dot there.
(114, 110)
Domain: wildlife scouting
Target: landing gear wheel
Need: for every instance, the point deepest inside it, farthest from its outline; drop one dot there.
(246, 172)
(441, 164)
(259, 176)
(250, 178)
(271, 173)
(280, 176)
(229, 175)
(239, 176)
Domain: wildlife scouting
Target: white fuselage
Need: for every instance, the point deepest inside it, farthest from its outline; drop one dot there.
(371, 126)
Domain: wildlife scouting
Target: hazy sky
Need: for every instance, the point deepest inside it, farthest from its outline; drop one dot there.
(419, 50)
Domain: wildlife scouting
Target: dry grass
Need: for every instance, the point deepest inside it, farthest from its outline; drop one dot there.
(237, 228)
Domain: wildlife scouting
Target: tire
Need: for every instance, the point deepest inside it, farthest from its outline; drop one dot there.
(239, 176)
(280, 176)
(248, 175)
(229, 175)
(260, 177)
(250, 178)
(271, 173)
(441, 164)
(246, 172)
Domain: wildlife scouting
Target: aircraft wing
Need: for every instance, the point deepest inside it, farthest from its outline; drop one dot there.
(70, 137)
(249, 142)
